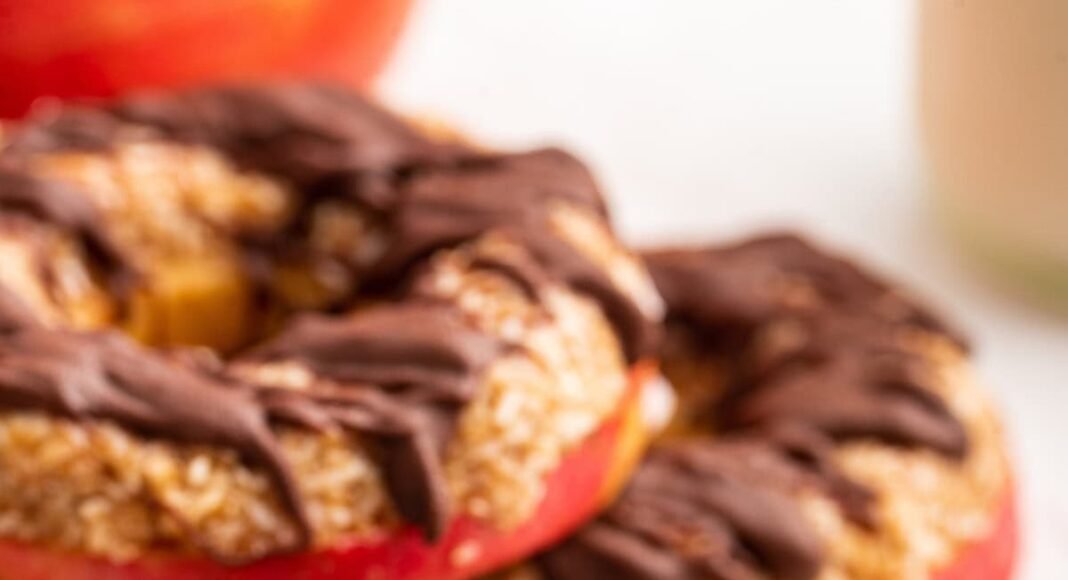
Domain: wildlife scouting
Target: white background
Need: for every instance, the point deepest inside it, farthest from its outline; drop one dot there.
(707, 119)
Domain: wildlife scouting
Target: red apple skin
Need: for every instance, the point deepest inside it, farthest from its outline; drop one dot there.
(88, 48)
(992, 557)
(586, 480)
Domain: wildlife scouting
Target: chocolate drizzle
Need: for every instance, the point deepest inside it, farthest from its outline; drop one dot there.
(399, 373)
(849, 378)
(62, 128)
(513, 195)
(396, 376)
(327, 144)
(14, 314)
(317, 137)
(105, 376)
(814, 339)
(59, 205)
(392, 375)
(324, 140)
(815, 355)
(423, 349)
(733, 289)
(334, 145)
(699, 510)
(813, 453)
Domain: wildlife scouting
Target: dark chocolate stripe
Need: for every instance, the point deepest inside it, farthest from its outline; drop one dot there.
(696, 510)
(332, 144)
(14, 313)
(61, 205)
(315, 137)
(512, 195)
(424, 346)
(397, 375)
(814, 339)
(106, 376)
(734, 288)
(410, 369)
(846, 376)
(814, 355)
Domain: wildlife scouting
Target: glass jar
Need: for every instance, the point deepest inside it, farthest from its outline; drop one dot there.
(994, 116)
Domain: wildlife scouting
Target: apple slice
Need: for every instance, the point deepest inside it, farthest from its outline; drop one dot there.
(993, 556)
(587, 478)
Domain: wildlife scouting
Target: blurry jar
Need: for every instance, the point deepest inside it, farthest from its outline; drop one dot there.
(994, 114)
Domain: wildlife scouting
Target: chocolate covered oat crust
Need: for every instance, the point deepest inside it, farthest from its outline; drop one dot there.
(358, 326)
(827, 427)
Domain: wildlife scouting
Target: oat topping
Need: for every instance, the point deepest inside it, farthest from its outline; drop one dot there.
(827, 429)
(437, 383)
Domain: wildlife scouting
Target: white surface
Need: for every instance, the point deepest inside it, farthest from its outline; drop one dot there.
(711, 118)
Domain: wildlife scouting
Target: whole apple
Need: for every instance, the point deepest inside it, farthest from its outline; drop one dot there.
(86, 48)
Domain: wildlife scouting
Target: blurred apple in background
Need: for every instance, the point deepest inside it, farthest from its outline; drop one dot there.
(92, 48)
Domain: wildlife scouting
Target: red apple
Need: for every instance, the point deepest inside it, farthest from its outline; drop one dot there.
(587, 479)
(993, 556)
(89, 48)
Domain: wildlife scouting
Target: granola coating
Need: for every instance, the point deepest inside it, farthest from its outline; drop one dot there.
(192, 218)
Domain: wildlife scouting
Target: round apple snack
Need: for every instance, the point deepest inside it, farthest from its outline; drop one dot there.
(277, 332)
(828, 428)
